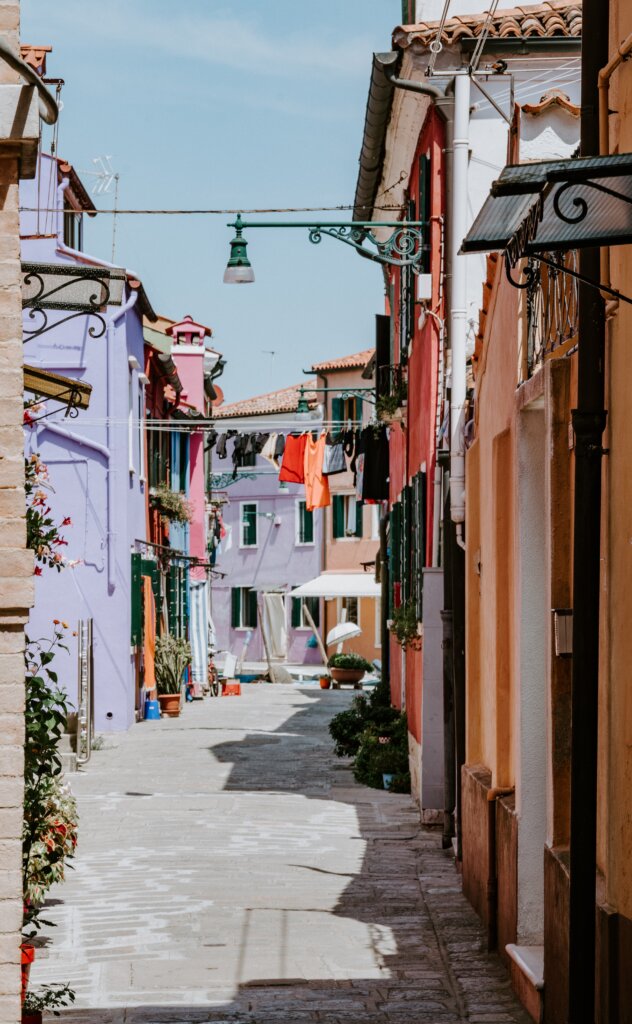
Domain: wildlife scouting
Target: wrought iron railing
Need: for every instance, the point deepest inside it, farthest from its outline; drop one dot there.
(552, 297)
(390, 380)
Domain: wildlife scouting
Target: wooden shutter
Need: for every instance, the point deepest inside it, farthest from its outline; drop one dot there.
(308, 526)
(338, 506)
(296, 612)
(137, 605)
(313, 603)
(235, 607)
(337, 414)
(358, 528)
(252, 609)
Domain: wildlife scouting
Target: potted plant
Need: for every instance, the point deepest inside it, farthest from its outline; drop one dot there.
(405, 627)
(389, 407)
(173, 654)
(348, 668)
(49, 997)
(172, 505)
(325, 682)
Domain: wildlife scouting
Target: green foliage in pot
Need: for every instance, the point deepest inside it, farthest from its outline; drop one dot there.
(48, 997)
(387, 405)
(373, 708)
(351, 661)
(382, 748)
(49, 831)
(172, 505)
(172, 656)
(404, 625)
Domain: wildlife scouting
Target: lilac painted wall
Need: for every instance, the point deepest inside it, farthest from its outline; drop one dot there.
(81, 453)
(277, 559)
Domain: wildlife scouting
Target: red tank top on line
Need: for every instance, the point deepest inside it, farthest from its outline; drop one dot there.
(293, 465)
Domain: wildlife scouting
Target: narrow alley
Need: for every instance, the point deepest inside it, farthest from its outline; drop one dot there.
(230, 869)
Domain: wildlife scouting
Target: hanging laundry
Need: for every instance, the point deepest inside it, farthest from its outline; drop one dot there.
(352, 517)
(211, 439)
(334, 460)
(376, 469)
(316, 484)
(293, 466)
(280, 446)
(221, 446)
(268, 452)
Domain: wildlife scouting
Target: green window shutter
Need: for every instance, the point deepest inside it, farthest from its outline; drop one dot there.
(137, 606)
(337, 414)
(249, 525)
(358, 525)
(235, 607)
(338, 506)
(313, 603)
(296, 612)
(252, 609)
(308, 526)
(396, 522)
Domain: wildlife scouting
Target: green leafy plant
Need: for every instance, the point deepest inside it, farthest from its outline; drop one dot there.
(387, 405)
(350, 661)
(49, 831)
(382, 749)
(347, 727)
(404, 625)
(48, 997)
(172, 656)
(172, 505)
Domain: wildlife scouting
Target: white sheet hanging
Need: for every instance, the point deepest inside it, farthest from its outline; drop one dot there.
(275, 624)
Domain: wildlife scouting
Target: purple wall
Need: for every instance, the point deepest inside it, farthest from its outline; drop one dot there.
(277, 559)
(95, 470)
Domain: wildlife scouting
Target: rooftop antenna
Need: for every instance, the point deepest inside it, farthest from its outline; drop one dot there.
(270, 352)
(106, 179)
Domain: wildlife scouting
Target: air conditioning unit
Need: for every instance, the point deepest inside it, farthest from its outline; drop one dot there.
(424, 287)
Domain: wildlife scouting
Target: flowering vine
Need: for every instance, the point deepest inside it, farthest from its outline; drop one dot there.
(42, 532)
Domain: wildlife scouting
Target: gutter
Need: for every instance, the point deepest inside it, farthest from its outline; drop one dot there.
(378, 112)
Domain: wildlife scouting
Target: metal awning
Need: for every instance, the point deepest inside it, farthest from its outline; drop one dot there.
(75, 394)
(554, 206)
(339, 584)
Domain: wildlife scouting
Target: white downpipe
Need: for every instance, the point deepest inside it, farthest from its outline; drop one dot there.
(110, 336)
(458, 294)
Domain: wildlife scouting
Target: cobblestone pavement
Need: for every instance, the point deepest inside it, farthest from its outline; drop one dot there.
(229, 869)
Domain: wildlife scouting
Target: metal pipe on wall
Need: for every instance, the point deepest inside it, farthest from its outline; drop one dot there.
(589, 420)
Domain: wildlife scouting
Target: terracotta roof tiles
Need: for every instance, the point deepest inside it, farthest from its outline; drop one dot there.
(284, 400)
(356, 361)
(556, 18)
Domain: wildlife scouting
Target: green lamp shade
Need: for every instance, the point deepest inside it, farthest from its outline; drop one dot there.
(238, 269)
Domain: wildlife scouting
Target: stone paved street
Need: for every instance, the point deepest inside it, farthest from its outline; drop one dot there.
(230, 869)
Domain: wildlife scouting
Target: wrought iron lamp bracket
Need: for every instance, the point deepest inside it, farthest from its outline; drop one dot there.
(41, 296)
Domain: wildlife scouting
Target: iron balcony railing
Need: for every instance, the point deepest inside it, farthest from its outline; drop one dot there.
(551, 307)
(390, 380)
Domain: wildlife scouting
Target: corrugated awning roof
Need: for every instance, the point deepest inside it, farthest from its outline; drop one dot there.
(556, 205)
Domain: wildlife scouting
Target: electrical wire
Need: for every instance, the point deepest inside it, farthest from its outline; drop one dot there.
(436, 45)
(214, 213)
(482, 39)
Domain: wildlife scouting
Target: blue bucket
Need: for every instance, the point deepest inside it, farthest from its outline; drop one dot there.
(152, 710)
(387, 778)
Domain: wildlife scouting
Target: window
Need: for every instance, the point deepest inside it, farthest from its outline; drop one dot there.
(73, 227)
(304, 524)
(344, 411)
(243, 608)
(352, 608)
(299, 619)
(248, 525)
(347, 516)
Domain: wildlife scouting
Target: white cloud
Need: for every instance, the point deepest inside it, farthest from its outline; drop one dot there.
(219, 38)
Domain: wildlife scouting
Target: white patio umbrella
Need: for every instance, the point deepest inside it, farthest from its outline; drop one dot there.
(341, 632)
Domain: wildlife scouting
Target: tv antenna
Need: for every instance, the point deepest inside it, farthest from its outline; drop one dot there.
(106, 180)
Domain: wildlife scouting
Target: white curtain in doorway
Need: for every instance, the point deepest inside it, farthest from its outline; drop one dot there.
(275, 624)
(199, 632)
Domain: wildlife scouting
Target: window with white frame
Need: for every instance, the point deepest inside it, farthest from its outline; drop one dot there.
(351, 606)
(299, 618)
(243, 603)
(248, 524)
(375, 522)
(346, 516)
(304, 524)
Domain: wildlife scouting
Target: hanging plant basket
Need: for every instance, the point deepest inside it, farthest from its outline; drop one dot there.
(404, 627)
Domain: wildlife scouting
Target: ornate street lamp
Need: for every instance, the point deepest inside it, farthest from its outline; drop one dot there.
(404, 247)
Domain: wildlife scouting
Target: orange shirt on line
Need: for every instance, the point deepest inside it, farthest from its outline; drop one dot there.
(316, 485)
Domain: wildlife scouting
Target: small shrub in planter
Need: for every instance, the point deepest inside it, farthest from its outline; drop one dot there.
(52, 998)
(350, 662)
(375, 758)
(172, 656)
(172, 505)
(347, 727)
(404, 626)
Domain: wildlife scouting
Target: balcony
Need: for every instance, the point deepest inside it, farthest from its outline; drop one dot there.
(551, 310)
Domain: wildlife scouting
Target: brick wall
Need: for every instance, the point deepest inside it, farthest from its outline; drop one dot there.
(16, 564)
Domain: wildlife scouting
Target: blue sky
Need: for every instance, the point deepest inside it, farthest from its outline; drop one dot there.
(210, 104)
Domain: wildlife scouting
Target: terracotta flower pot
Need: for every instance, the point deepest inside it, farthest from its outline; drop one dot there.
(347, 675)
(27, 958)
(169, 704)
(325, 682)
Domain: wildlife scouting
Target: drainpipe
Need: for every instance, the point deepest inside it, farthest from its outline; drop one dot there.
(110, 341)
(409, 85)
(603, 84)
(589, 420)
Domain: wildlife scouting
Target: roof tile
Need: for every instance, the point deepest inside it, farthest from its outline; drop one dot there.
(284, 400)
(546, 20)
(356, 361)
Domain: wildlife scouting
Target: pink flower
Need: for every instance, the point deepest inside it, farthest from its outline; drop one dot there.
(67, 521)
(37, 571)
